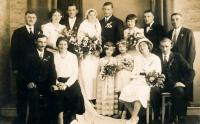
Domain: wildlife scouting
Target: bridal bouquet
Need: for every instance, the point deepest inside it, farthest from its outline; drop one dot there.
(155, 79)
(133, 38)
(108, 70)
(89, 45)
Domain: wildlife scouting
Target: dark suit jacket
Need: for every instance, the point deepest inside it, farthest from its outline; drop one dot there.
(177, 70)
(185, 44)
(65, 21)
(112, 30)
(21, 43)
(155, 34)
(41, 72)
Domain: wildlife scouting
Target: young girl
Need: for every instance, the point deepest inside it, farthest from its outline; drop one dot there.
(132, 33)
(106, 102)
(125, 66)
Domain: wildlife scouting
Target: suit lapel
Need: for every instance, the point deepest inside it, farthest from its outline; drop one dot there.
(171, 59)
(180, 35)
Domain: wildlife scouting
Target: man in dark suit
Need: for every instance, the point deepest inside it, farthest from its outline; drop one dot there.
(183, 43)
(178, 74)
(112, 27)
(154, 32)
(71, 21)
(21, 43)
(40, 75)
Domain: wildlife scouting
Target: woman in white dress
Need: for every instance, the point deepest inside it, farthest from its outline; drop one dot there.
(53, 29)
(67, 93)
(89, 64)
(137, 92)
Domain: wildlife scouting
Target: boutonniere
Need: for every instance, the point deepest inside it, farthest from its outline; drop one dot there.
(46, 59)
(182, 35)
(108, 25)
(170, 63)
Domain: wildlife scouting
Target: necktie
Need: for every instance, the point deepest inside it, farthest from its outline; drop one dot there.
(31, 32)
(165, 60)
(174, 37)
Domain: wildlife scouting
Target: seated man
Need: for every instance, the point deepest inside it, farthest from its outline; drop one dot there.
(178, 74)
(40, 75)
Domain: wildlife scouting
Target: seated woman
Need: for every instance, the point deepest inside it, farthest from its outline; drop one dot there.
(67, 92)
(137, 92)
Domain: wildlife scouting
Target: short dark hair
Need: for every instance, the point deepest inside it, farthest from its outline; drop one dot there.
(131, 17)
(30, 11)
(41, 36)
(149, 11)
(165, 39)
(71, 4)
(54, 11)
(108, 3)
(107, 45)
(61, 39)
(176, 13)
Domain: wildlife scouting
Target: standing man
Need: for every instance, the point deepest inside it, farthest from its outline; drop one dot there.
(183, 43)
(40, 76)
(112, 27)
(21, 43)
(179, 74)
(154, 32)
(71, 22)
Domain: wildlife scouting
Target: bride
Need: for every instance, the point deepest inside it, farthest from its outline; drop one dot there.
(89, 28)
(88, 73)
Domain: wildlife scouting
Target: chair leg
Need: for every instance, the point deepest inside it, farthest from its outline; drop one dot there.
(169, 113)
(147, 114)
(163, 110)
(27, 114)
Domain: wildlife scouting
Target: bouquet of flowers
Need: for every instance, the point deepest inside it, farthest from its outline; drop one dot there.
(88, 45)
(108, 70)
(155, 79)
(70, 35)
(126, 63)
(133, 38)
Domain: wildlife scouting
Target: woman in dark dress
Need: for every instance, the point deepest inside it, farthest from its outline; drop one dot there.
(67, 93)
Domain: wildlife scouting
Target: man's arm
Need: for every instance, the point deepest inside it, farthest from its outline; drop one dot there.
(191, 48)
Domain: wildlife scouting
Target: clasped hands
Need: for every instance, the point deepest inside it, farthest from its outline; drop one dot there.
(59, 86)
(179, 84)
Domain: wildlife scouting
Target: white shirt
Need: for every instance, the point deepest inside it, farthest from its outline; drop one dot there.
(107, 18)
(167, 56)
(72, 22)
(66, 66)
(28, 28)
(148, 28)
(40, 53)
(177, 32)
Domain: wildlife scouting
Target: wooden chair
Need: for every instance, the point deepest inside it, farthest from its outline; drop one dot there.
(165, 103)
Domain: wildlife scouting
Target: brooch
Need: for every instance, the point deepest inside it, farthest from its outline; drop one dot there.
(108, 25)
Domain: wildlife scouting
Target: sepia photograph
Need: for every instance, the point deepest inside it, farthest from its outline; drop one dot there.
(99, 62)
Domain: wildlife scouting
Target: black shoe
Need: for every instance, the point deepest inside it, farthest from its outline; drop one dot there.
(181, 119)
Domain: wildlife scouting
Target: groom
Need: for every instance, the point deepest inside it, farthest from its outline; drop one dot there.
(112, 27)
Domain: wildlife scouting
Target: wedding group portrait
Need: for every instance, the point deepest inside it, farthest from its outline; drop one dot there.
(100, 62)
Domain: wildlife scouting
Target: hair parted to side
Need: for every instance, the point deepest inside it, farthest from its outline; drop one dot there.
(176, 13)
(131, 17)
(108, 45)
(149, 11)
(54, 11)
(108, 4)
(61, 39)
(30, 11)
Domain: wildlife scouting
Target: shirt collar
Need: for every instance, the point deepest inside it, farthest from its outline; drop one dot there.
(28, 28)
(74, 18)
(108, 17)
(40, 52)
(167, 55)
